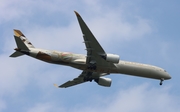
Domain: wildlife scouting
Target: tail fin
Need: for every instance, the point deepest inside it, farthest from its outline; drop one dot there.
(19, 34)
(22, 43)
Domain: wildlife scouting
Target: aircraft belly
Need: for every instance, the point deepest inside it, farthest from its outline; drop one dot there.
(138, 71)
(84, 66)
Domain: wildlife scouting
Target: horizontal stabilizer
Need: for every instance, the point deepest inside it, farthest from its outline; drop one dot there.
(16, 54)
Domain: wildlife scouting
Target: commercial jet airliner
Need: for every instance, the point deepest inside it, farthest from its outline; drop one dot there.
(94, 65)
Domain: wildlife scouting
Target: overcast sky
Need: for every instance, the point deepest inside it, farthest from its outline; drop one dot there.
(145, 31)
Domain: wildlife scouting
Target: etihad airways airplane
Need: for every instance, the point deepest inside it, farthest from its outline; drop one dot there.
(94, 65)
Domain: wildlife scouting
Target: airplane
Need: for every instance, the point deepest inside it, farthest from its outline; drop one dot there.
(94, 65)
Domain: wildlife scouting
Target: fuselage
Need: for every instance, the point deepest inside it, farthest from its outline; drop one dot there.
(78, 61)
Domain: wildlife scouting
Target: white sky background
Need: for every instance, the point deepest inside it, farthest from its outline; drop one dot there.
(137, 30)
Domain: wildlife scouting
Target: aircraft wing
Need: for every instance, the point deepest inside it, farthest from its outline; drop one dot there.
(94, 49)
(75, 81)
(80, 79)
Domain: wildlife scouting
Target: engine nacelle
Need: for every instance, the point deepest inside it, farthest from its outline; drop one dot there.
(111, 58)
(103, 81)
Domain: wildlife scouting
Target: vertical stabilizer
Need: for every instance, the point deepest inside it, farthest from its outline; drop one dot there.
(22, 43)
(19, 34)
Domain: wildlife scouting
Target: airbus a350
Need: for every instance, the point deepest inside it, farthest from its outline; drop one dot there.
(95, 65)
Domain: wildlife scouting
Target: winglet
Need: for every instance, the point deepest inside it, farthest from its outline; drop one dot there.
(56, 85)
(77, 14)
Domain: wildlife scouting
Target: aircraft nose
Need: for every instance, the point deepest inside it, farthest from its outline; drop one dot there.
(167, 76)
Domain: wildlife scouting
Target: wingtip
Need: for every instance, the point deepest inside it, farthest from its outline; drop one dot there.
(77, 14)
(56, 85)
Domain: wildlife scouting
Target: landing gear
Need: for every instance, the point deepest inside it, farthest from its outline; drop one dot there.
(92, 65)
(88, 79)
(161, 81)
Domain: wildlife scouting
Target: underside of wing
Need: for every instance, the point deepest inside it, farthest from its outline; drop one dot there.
(73, 82)
(80, 79)
(86, 76)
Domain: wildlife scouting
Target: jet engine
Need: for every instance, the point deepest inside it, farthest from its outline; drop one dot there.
(111, 58)
(102, 81)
